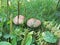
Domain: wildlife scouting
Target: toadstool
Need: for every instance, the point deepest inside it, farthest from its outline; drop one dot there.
(18, 19)
(33, 22)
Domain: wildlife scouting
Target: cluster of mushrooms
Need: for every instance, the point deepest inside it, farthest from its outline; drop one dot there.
(32, 22)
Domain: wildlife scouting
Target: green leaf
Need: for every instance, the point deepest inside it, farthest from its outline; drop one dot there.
(49, 37)
(6, 36)
(5, 43)
(0, 34)
(18, 31)
(29, 38)
(14, 40)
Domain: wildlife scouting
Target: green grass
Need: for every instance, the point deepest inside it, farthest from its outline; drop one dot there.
(44, 10)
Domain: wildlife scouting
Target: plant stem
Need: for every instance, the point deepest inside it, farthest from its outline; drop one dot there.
(11, 26)
(58, 3)
(25, 36)
(18, 11)
(7, 10)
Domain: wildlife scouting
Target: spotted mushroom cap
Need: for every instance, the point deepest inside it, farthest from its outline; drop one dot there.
(33, 22)
(19, 20)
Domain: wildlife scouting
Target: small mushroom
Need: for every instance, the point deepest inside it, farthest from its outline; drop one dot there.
(33, 22)
(19, 20)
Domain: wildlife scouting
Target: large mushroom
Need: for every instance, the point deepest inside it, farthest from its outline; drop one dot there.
(18, 19)
(33, 22)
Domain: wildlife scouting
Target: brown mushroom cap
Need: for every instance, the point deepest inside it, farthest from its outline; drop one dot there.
(19, 20)
(33, 22)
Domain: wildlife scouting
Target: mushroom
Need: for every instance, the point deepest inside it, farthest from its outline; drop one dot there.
(33, 22)
(18, 19)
